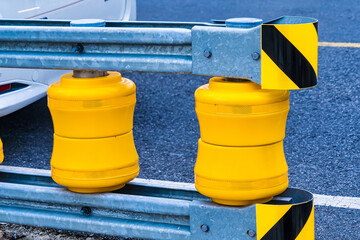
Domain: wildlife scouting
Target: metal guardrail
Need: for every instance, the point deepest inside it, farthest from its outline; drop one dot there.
(172, 47)
(272, 54)
(150, 209)
(142, 209)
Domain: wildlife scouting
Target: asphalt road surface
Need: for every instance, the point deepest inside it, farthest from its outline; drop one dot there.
(322, 145)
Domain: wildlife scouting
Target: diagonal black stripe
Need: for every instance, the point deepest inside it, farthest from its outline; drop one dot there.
(316, 26)
(287, 57)
(290, 225)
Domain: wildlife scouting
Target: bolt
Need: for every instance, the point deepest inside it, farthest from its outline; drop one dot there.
(207, 53)
(251, 233)
(204, 228)
(79, 48)
(255, 56)
(86, 211)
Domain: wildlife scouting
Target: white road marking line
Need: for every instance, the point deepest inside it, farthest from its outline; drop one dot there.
(338, 44)
(337, 201)
(28, 10)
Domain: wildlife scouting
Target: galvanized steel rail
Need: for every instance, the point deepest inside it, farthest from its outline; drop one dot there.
(142, 209)
(171, 47)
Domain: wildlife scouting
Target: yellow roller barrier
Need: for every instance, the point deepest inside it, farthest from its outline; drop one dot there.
(93, 149)
(240, 156)
(1, 152)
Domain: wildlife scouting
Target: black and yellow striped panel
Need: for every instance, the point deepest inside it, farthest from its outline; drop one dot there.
(289, 53)
(285, 222)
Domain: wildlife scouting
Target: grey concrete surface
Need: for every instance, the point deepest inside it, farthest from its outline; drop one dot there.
(322, 145)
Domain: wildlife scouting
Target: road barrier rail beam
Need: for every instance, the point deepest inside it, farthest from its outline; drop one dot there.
(211, 49)
(143, 209)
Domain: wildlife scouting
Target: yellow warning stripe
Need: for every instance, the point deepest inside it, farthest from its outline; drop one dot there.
(267, 216)
(339, 44)
(273, 77)
(306, 45)
(285, 222)
(292, 50)
(308, 231)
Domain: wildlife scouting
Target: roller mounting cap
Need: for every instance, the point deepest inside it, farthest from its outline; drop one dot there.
(88, 23)
(243, 22)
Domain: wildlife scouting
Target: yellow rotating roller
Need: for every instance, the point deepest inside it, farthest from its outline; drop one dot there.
(93, 149)
(240, 155)
(1, 152)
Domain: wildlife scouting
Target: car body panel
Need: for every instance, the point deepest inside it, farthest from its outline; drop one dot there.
(38, 80)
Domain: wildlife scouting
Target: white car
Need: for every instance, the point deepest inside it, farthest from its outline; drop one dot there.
(21, 87)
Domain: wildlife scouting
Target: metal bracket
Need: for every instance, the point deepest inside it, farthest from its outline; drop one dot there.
(230, 51)
(209, 220)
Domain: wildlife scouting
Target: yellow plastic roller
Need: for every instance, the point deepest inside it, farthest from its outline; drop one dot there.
(240, 154)
(1, 152)
(93, 149)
